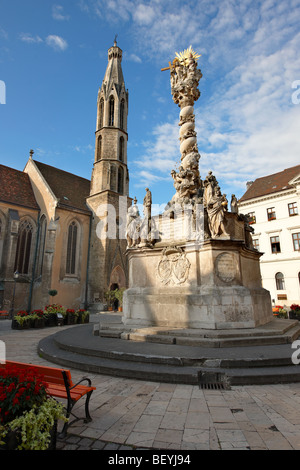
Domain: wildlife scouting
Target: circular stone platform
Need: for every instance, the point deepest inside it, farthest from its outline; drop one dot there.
(240, 364)
(278, 331)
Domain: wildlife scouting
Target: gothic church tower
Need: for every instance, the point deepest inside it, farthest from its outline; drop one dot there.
(108, 198)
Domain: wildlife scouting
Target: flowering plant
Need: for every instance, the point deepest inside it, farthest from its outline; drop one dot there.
(83, 314)
(295, 307)
(22, 313)
(35, 426)
(38, 313)
(19, 391)
(22, 317)
(55, 308)
(26, 408)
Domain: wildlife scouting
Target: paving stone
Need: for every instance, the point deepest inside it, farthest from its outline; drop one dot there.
(72, 439)
(182, 417)
(111, 446)
(85, 442)
(98, 445)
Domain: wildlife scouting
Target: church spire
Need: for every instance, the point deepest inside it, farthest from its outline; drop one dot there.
(114, 75)
(110, 167)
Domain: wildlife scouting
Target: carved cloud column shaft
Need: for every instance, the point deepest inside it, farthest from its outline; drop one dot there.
(185, 77)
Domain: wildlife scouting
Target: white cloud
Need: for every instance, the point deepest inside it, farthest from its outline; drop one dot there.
(57, 13)
(246, 122)
(56, 42)
(27, 37)
(134, 58)
(113, 10)
(84, 6)
(143, 14)
(248, 126)
(83, 148)
(162, 151)
(3, 33)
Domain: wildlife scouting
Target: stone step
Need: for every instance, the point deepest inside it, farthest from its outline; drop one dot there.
(196, 360)
(279, 332)
(133, 370)
(241, 366)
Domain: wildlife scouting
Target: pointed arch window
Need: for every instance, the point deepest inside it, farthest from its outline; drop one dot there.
(99, 151)
(122, 109)
(42, 241)
(71, 248)
(111, 111)
(121, 149)
(101, 113)
(24, 247)
(120, 180)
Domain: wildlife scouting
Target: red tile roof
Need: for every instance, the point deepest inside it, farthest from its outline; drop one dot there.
(271, 184)
(71, 190)
(15, 188)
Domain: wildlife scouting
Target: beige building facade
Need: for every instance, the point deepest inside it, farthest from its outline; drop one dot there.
(273, 204)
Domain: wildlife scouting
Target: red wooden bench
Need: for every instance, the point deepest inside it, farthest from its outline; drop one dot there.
(60, 385)
(4, 314)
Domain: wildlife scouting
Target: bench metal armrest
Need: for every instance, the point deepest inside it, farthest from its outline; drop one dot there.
(80, 381)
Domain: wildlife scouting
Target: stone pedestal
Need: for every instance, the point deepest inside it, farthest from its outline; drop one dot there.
(215, 285)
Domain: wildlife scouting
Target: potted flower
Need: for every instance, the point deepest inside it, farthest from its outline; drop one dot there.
(71, 316)
(109, 297)
(28, 417)
(37, 319)
(83, 315)
(294, 313)
(275, 311)
(282, 313)
(51, 311)
(119, 296)
(21, 320)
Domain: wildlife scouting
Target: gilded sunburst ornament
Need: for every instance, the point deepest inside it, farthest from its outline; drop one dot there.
(183, 57)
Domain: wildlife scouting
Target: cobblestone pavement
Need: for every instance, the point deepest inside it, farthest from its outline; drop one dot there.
(136, 415)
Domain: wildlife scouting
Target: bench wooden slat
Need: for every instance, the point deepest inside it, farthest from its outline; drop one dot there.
(59, 384)
(57, 391)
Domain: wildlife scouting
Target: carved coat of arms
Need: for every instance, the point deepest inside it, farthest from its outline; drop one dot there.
(173, 267)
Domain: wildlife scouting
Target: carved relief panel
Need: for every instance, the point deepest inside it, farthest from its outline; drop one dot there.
(173, 267)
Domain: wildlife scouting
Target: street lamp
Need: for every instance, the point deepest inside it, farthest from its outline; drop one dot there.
(16, 276)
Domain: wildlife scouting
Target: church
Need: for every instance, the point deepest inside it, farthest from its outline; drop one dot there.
(61, 232)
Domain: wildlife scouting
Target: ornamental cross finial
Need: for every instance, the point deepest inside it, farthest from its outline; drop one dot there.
(182, 58)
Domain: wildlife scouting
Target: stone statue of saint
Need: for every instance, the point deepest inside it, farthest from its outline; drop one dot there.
(133, 225)
(216, 206)
(233, 204)
(186, 183)
(248, 230)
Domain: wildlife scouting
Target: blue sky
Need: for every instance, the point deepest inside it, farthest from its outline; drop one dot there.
(53, 57)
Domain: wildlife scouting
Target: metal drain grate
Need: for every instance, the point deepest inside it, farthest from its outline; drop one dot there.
(212, 386)
(210, 380)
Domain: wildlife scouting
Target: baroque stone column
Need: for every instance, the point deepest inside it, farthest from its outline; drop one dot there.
(185, 77)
